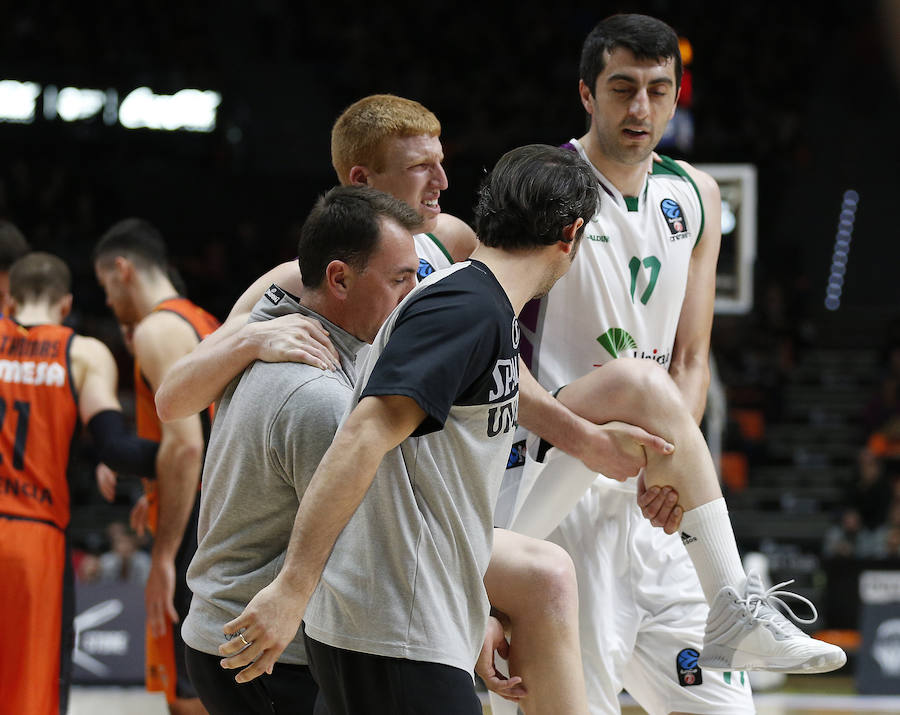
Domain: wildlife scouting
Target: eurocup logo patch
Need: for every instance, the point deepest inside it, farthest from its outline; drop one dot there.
(425, 269)
(689, 672)
(516, 455)
(674, 216)
(515, 333)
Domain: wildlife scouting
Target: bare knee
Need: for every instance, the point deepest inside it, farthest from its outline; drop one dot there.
(549, 588)
(645, 382)
(531, 579)
(626, 390)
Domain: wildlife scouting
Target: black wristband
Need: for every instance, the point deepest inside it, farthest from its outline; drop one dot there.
(119, 449)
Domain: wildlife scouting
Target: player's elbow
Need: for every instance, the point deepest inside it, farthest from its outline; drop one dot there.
(165, 409)
(191, 451)
(175, 400)
(172, 403)
(693, 379)
(184, 451)
(697, 366)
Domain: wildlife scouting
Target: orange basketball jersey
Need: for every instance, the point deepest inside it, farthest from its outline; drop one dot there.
(203, 323)
(38, 417)
(147, 422)
(161, 669)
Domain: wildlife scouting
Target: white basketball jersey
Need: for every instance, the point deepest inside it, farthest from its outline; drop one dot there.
(432, 254)
(622, 296)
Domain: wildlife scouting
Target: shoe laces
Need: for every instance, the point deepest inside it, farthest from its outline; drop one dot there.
(756, 601)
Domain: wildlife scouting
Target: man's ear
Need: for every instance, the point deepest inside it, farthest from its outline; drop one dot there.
(585, 93)
(339, 278)
(124, 268)
(65, 305)
(569, 232)
(359, 176)
(675, 106)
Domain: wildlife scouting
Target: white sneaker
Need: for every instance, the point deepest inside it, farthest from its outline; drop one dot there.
(748, 633)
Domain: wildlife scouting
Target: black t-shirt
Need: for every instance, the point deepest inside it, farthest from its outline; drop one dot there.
(406, 576)
(455, 342)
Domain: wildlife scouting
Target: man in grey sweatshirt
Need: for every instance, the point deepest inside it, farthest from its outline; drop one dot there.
(274, 423)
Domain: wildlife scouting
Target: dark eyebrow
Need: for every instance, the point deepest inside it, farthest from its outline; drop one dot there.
(632, 80)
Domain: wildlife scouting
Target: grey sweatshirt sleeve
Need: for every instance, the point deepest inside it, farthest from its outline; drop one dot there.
(304, 427)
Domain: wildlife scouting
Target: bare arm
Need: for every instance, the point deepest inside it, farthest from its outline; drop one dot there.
(457, 236)
(95, 375)
(690, 357)
(200, 377)
(271, 619)
(159, 341)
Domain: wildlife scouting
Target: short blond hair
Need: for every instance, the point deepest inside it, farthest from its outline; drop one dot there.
(360, 131)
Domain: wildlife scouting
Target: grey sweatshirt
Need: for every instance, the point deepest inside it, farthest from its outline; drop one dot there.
(272, 426)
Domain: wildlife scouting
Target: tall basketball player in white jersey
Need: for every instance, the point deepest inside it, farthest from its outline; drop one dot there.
(643, 287)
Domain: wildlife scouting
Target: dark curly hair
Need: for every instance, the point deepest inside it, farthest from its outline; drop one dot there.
(532, 194)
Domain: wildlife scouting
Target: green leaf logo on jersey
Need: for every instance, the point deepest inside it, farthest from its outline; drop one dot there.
(615, 340)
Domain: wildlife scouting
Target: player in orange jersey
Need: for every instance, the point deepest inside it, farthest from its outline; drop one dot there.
(130, 261)
(50, 378)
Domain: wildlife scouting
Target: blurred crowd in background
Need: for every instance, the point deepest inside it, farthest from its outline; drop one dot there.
(869, 521)
(807, 95)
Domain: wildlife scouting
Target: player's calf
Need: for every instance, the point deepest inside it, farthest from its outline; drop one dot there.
(533, 583)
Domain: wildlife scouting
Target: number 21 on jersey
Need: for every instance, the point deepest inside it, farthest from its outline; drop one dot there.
(24, 411)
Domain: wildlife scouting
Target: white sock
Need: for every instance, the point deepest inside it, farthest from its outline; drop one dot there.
(709, 539)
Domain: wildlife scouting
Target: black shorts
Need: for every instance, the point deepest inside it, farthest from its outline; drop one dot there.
(289, 690)
(353, 683)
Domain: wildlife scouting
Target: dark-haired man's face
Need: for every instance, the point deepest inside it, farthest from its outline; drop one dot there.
(389, 275)
(630, 105)
(118, 298)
